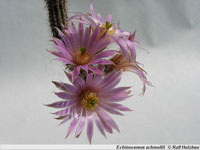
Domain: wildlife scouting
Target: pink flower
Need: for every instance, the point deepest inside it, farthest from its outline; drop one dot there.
(90, 101)
(82, 48)
(113, 31)
(94, 20)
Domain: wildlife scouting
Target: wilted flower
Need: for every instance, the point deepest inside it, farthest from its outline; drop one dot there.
(89, 101)
(122, 64)
(82, 49)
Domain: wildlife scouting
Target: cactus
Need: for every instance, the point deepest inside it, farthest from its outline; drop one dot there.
(57, 12)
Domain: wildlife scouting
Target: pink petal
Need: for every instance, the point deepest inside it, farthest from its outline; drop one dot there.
(86, 37)
(76, 35)
(97, 80)
(100, 19)
(95, 70)
(89, 79)
(90, 129)
(59, 85)
(108, 119)
(74, 28)
(66, 41)
(109, 17)
(142, 77)
(105, 123)
(81, 32)
(81, 125)
(62, 117)
(119, 107)
(132, 36)
(72, 125)
(63, 51)
(65, 120)
(79, 82)
(65, 95)
(68, 104)
(69, 88)
(85, 67)
(69, 76)
(79, 21)
(99, 46)
(92, 9)
(99, 125)
(60, 104)
(132, 49)
(115, 98)
(110, 109)
(110, 80)
(56, 54)
(105, 54)
(59, 43)
(123, 46)
(94, 36)
(65, 61)
(113, 83)
(73, 40)
(91, 21)
(62, 112)
(118, 91)
(75, 73)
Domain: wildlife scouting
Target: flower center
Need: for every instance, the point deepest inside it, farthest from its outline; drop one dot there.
(107, 26)
(120, 61)
(89, 100)
(81, 57)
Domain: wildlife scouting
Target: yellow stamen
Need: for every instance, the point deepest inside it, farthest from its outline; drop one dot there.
(81, 57)
(108, 27)
(89, 100)
(111, 31)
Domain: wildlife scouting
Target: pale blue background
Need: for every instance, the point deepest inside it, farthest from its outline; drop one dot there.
(168, 113)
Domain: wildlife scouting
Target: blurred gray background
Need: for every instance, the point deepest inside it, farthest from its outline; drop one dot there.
(168, 113)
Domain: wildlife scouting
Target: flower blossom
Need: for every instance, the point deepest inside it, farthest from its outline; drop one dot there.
(126, 60)
(95, 71)
(90, 101)
(83, 49)
(113, 31)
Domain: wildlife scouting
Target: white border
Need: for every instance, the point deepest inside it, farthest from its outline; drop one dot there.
(98, 147)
